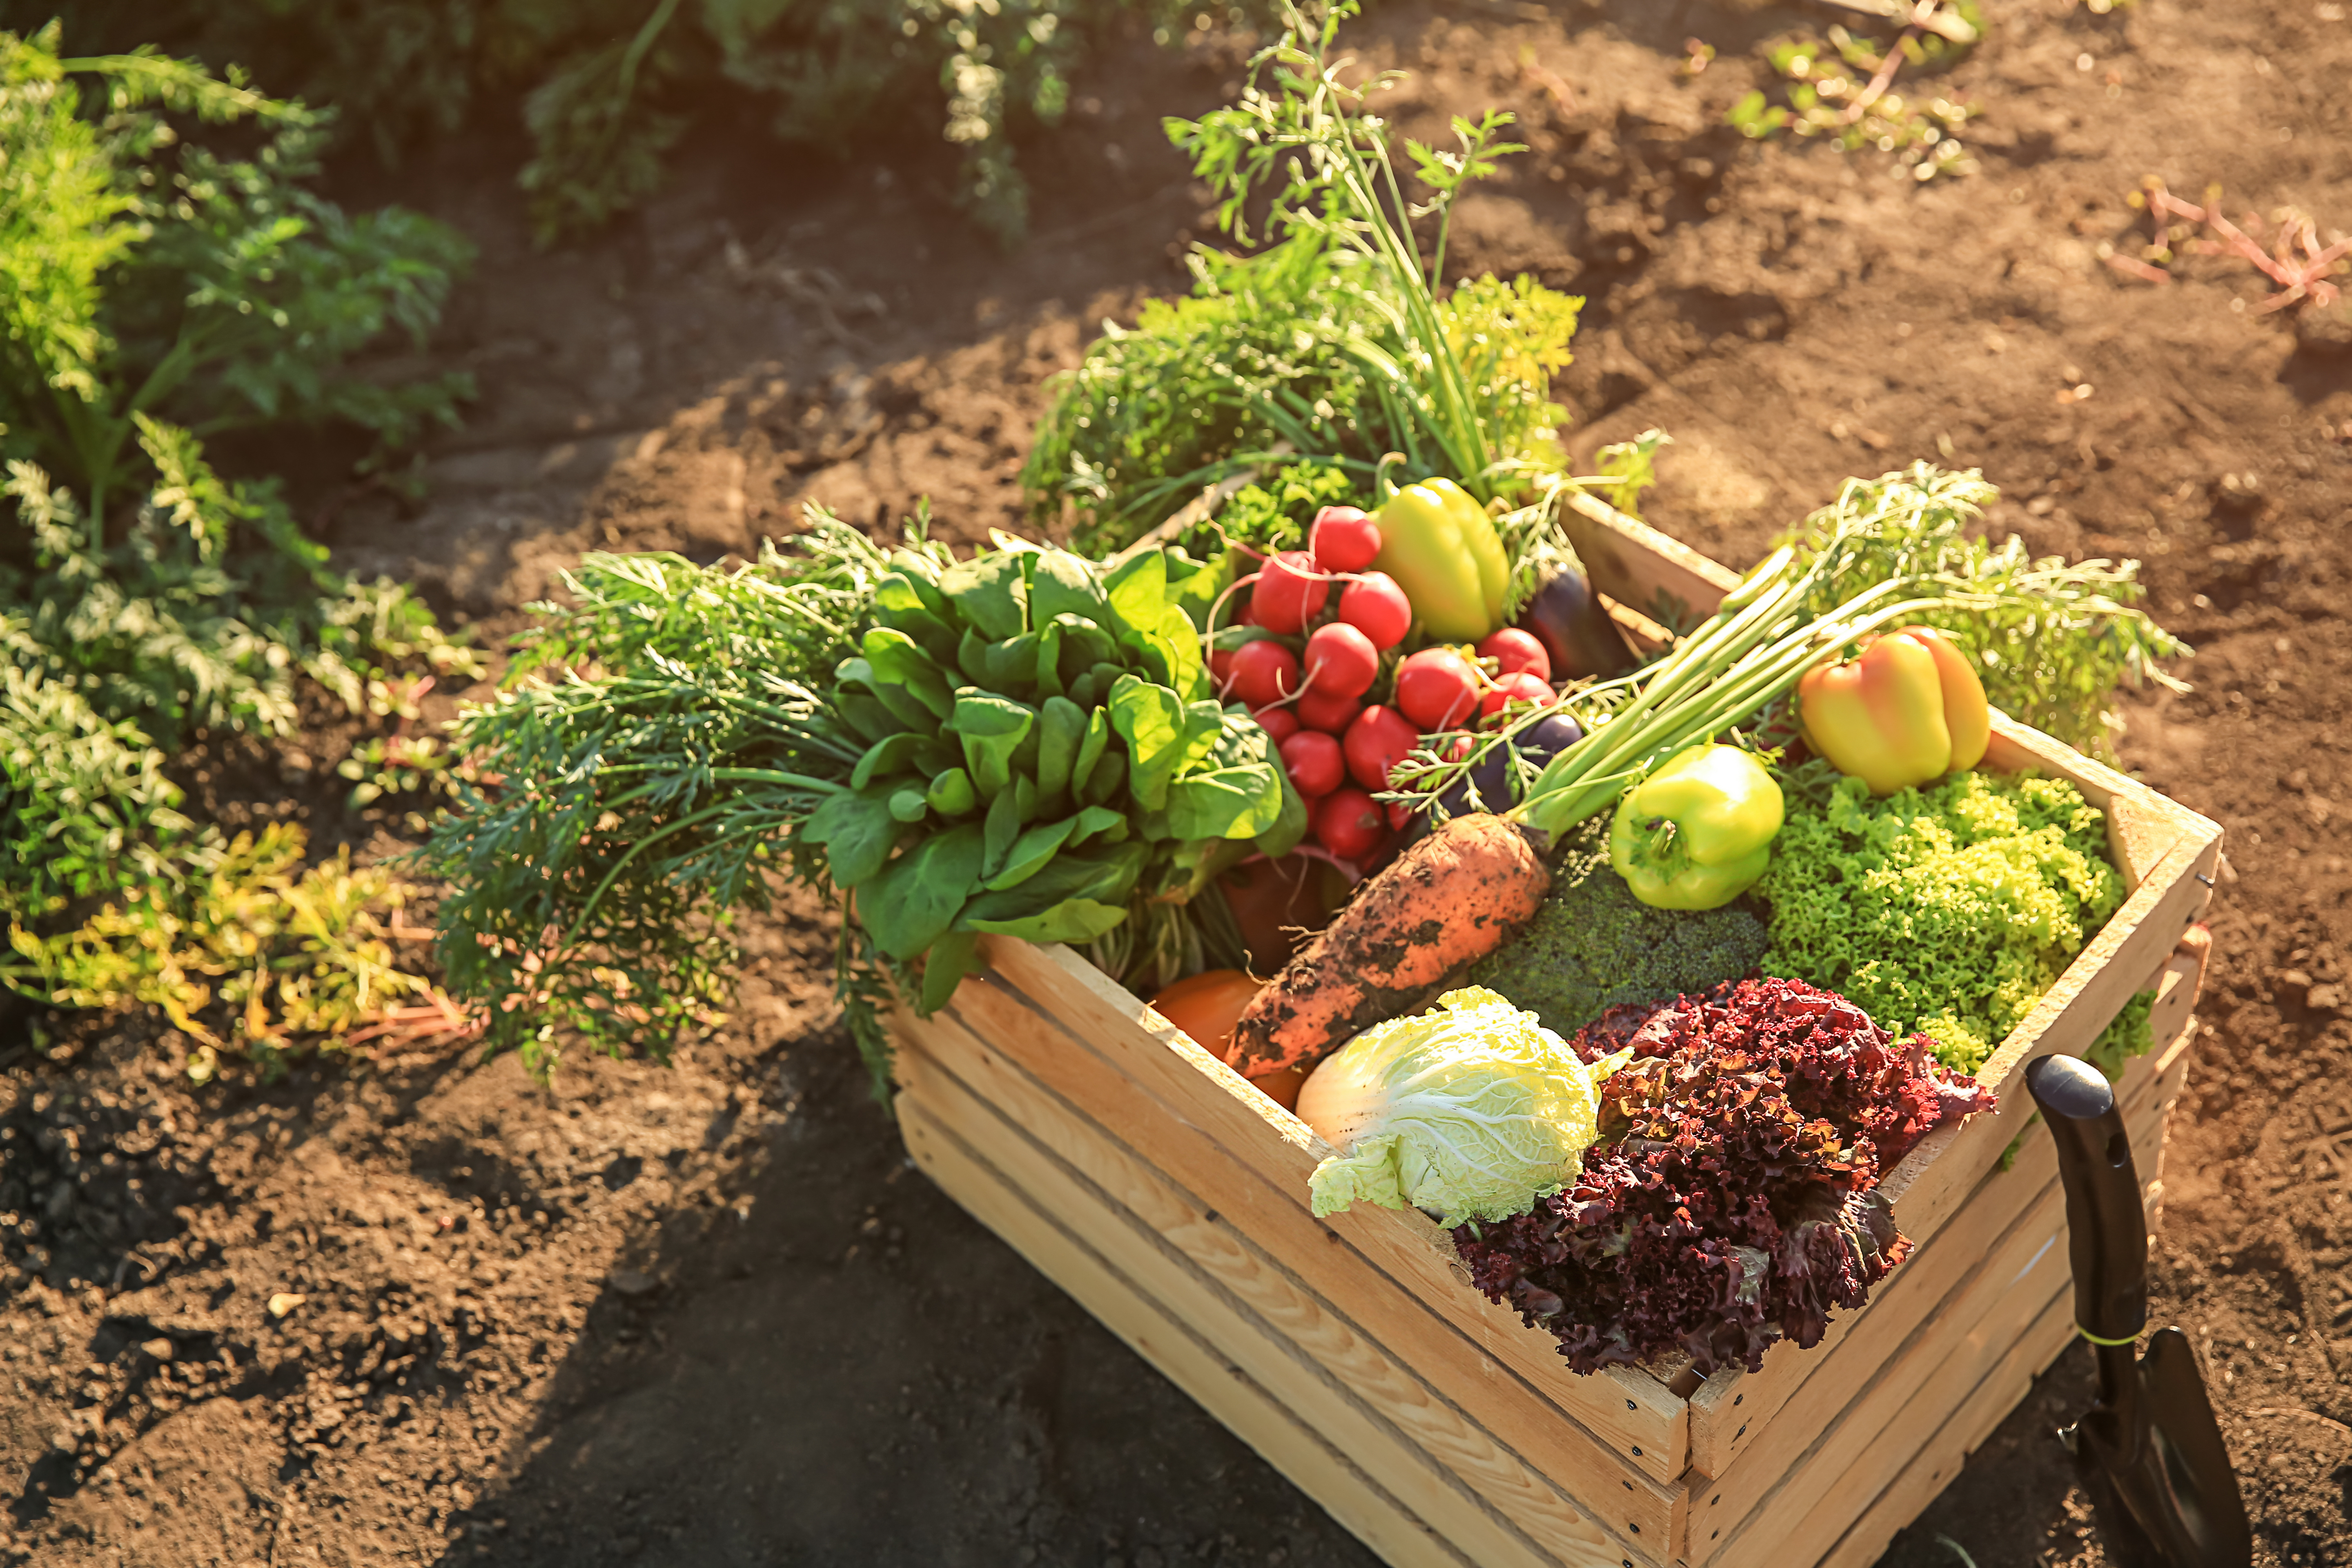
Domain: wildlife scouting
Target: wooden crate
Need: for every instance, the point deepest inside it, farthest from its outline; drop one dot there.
(1171, 1199)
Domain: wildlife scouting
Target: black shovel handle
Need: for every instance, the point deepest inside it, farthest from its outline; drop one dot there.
(2106, 1226)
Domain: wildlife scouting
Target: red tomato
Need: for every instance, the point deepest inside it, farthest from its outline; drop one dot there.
(1332, 715)
(1264, 672)
(1279, 723)
(1313, 760)
(1340, 660)
(1376, 606)
(1349, 824)
(1343, 539)
(1378, 741)
(1514, 690)
(1207, 1006)
(1437, 688)
(1514, 651)
(1291, 592)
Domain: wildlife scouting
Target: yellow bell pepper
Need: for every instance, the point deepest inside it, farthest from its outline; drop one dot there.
(1909, 710)
(1442, 549)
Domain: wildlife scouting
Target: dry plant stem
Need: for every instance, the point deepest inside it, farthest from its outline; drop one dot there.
(1931, 17)
(2303, 278)
(1889, 62)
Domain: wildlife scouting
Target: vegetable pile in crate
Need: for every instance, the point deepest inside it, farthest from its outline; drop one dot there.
(1181, 1206)
(1684, 973)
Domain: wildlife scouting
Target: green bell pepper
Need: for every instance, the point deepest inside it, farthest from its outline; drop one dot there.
(1699, 831)
(1442, 549)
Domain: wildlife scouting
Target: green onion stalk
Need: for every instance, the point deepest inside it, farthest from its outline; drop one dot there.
(1752, 652)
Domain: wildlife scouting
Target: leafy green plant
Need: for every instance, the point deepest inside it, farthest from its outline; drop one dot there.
(1838, 89)
(1332, 338)
(152, 278)
(2054, 640)
(143, 599)
(609, 85)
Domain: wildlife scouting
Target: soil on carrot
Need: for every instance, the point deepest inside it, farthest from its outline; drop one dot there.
(415, 1309)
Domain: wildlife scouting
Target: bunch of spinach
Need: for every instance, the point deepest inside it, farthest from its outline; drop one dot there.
(1022, 742)
(1333, 338)
(143, 599)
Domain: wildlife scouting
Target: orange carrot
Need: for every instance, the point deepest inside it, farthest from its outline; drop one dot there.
(1453, 898)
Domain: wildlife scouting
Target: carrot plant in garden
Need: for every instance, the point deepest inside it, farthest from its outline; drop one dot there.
(159, 290)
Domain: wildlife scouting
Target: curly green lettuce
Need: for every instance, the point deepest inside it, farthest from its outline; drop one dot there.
(1950, 909)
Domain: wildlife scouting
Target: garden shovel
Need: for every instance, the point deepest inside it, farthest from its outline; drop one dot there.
(2148, 1453)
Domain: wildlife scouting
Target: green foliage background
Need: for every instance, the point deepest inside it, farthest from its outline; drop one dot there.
(609, 85)
(168, 273)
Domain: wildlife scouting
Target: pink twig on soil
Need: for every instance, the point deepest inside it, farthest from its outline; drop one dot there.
(2298, 278)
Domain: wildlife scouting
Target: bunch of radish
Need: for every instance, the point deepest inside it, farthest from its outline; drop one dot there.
(1325, 672)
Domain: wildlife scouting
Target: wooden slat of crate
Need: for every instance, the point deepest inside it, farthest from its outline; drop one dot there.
(1449, 1471)
(1912, 1318)
(1263, 1422)
(1735, 1405)
(1933, 1470)
(1141, 1075)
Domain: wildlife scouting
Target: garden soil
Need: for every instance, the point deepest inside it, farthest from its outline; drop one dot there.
(415, 1309)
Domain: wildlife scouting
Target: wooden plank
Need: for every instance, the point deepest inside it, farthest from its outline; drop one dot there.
(1319, 1469)
(1636, 565)
(1858, 1429)
(1862, 1446)
(1949, 1161)
(2008, 1224)
(1736, 1408)
(1923, 1479)
(1437, 1460)
(1149, 1073)
(2142, 824)
(1429, 1337)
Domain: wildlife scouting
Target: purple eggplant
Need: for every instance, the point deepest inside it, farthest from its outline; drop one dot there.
(1492, 775)
(1575, 629)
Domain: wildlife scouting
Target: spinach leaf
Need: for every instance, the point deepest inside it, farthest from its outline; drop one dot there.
(1073, 919)
(1030, 853)
(858, 832)
(910, 903)
(898, 660)
(1062, 584)
(953, 956)
(991, 730)
(990, 592)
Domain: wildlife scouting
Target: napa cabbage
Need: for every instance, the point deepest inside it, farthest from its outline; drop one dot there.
(1473, 1110)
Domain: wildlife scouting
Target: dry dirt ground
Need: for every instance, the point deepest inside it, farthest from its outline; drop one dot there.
(707, 1314)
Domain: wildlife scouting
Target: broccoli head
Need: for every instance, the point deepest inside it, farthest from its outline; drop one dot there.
(1593, 945)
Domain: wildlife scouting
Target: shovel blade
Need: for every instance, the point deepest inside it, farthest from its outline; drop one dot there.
(2195, 1462)
(2157, 1472)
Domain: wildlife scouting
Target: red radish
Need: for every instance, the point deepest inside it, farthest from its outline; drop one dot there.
(1514, 651)
(1399, 815)
(1514, 690)
(1343, 539)
(1340, 660)
(1289, 593)
(1221, 671)
(1263, 672)
(1437, 688)
(1313, 760)
(1279, 723)
(1246, 616)
(1332, 715)
(1378, 741)
(1376, 606)
(1348, 823)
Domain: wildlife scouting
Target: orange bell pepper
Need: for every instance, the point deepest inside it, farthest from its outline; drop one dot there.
(1910, 709)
